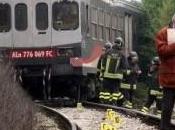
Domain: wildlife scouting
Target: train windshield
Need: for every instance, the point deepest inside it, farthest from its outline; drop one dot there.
(5, 17)
(65, 15)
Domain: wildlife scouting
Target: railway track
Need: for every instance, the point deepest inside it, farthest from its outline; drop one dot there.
(147, 118)
(61, 119)
(90, 108)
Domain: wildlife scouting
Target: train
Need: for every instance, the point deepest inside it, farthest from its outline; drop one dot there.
(58, 42)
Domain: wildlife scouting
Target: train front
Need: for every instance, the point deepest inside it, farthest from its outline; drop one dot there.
(40, 38)
(55, 35)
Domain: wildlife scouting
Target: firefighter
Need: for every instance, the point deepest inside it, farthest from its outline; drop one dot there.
(154, 92)
(129, 82)
(103, 95)
(114, 65)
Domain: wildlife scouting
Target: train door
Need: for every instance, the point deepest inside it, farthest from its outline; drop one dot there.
(41, 23)
(22, 30)
(5, 23)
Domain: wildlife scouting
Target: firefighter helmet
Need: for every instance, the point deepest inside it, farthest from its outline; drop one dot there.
(155, 60)
(133, 57)
(107, 46)
(133, 54)
(118, 43)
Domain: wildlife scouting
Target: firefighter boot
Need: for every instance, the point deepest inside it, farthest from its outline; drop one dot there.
(145, 110)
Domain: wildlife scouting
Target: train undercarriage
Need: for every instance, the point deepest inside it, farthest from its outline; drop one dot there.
(41, 84)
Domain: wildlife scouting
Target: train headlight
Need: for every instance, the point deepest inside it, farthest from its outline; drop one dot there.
(67, 52)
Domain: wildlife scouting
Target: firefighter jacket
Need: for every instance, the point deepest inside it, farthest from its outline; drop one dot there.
(100, 65)
(115, 64)
(130, 80)
(167, 56)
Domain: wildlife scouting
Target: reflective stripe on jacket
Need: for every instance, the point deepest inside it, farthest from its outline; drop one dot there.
(115, 64)
(128, 86)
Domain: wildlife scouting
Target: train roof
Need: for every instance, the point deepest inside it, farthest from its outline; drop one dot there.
(123, 5)
(130, 7)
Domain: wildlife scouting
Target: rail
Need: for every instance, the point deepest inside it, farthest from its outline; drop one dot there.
(68, 124)
(148, 118)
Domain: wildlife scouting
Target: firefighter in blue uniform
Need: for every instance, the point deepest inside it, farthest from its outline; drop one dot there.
(154, 92)
(129, 81)
(114, 65)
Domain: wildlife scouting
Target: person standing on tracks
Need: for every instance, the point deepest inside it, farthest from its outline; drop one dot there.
(129, 81)
(166, 52)
(114, 65)
(154, 92)
(103, 94)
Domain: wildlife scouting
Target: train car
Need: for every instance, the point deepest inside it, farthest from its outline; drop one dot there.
(59, 42)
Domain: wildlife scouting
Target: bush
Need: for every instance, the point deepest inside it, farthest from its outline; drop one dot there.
(16, 108)
(140, 95)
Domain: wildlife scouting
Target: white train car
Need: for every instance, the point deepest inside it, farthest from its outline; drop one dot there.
(63, 39)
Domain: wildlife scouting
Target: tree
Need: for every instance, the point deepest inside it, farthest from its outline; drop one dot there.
(156, 14)
(166, 13)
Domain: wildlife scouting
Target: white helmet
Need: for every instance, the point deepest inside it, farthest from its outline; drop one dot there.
(118, 43)
(108, 46)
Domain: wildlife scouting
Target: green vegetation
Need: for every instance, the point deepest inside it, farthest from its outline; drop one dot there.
(156, 14)
(140, 95)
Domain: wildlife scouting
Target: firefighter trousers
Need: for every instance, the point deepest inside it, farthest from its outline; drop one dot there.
(111, 90)
(128, 94)
(150, 101)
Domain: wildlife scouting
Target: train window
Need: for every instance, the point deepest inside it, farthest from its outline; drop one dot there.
(94, 15)
(94, 22)
(65, 15)
(101, 32)
(107, 19)
(94, 30)
(107, 32)
(101, 25)
(87, 18)
(5, 17)
(114, 22)
(107, 26)
(113, 34)
(21, 17)
(120, 22)
(42, 16)
(114, 28)
(101, 17)
(119, 33)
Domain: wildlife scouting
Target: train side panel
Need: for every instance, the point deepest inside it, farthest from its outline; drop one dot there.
(6, 27)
